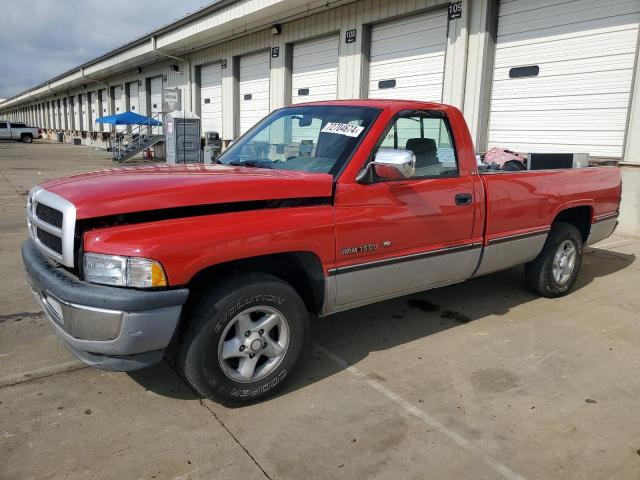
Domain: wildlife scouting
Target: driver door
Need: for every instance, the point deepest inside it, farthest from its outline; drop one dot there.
(397, 237)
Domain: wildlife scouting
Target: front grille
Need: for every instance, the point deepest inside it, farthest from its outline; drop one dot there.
(49, 240)
(49, 215)
(51, 221)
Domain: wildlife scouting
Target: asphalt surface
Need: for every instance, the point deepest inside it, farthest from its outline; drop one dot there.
(480, 380)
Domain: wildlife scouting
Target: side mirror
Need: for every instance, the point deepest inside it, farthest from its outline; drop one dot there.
(389, 164)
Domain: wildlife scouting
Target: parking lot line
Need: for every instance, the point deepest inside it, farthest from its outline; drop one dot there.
(41, 373)
(462, 442)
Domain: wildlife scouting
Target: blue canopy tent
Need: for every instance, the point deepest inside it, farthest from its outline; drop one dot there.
(125, 145)
(129, 118)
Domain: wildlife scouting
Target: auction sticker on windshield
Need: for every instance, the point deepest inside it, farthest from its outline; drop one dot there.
(343, 129)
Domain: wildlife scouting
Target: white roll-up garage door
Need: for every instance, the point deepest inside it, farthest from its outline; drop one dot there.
(80, 108)
(75, 105)
(407, 57)
(211, 98)
(58, 115)
(84, 111)
(156, 100)
(314, 75)
(563, 75)
(254, 89)
(118, 106)
(96, 110)
(50, 122)
(117, 101)
(134, 97)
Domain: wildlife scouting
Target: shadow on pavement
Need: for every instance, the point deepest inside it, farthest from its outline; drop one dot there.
(384, 325)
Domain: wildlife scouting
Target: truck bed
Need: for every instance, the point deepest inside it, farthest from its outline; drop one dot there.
(520, 207)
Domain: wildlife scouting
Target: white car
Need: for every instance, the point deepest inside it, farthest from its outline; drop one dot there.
(18, 131)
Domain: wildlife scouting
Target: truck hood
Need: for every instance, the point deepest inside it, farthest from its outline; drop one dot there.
(157, 187)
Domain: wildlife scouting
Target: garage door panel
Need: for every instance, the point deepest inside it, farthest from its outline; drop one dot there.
(316, 51)
(608, 65)
(574, 16)
(561, 119)
(511, 10)
(575, 102)
(315, 82)
(560, 32)
(314, 92)
(414, 23)
(569, 48)
(583, 138)
(592, 83)
(430, 66)
(407, 57)
(411, 45)
(410, 93)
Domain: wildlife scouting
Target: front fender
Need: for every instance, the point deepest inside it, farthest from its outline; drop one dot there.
(186, 246)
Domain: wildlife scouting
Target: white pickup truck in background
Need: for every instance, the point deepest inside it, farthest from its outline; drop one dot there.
(18, 131)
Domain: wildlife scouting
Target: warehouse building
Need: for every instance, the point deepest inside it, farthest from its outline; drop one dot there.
(530, 75)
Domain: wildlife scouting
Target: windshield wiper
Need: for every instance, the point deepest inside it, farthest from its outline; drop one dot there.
(249, 163)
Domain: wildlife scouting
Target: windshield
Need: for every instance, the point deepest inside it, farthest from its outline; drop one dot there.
(312, 139)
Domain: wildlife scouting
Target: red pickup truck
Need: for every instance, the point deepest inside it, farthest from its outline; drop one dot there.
(320, 208)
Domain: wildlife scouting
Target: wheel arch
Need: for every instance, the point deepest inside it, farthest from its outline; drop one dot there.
(580, 216)
(302, 270)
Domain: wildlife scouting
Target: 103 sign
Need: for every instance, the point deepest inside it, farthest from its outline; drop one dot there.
(350, 36)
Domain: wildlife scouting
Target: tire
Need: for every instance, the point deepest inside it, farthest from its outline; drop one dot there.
(26, 139)
(513, 166)
(216, 324)
(546, 275)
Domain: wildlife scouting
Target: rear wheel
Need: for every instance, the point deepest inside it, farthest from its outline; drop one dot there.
(555, 270)
(26, 138)
(244, 338)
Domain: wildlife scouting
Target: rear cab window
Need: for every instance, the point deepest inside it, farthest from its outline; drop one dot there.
(428, 135)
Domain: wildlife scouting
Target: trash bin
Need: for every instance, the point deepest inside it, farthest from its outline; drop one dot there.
(60, 137)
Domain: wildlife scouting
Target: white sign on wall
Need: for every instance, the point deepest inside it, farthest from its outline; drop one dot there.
(171, 99)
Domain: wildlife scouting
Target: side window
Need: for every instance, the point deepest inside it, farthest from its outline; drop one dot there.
(3, 125)
(429, 138)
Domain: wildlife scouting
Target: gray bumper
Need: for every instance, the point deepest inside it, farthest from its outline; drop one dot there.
(106, 327)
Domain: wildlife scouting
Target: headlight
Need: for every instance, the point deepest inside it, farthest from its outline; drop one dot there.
(123, 271)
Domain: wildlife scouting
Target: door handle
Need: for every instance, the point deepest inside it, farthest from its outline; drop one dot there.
(464, 199)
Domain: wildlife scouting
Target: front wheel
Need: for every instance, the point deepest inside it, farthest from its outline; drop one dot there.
(553, 273)
(244, 338)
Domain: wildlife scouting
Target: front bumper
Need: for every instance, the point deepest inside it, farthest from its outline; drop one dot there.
(106, 327)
